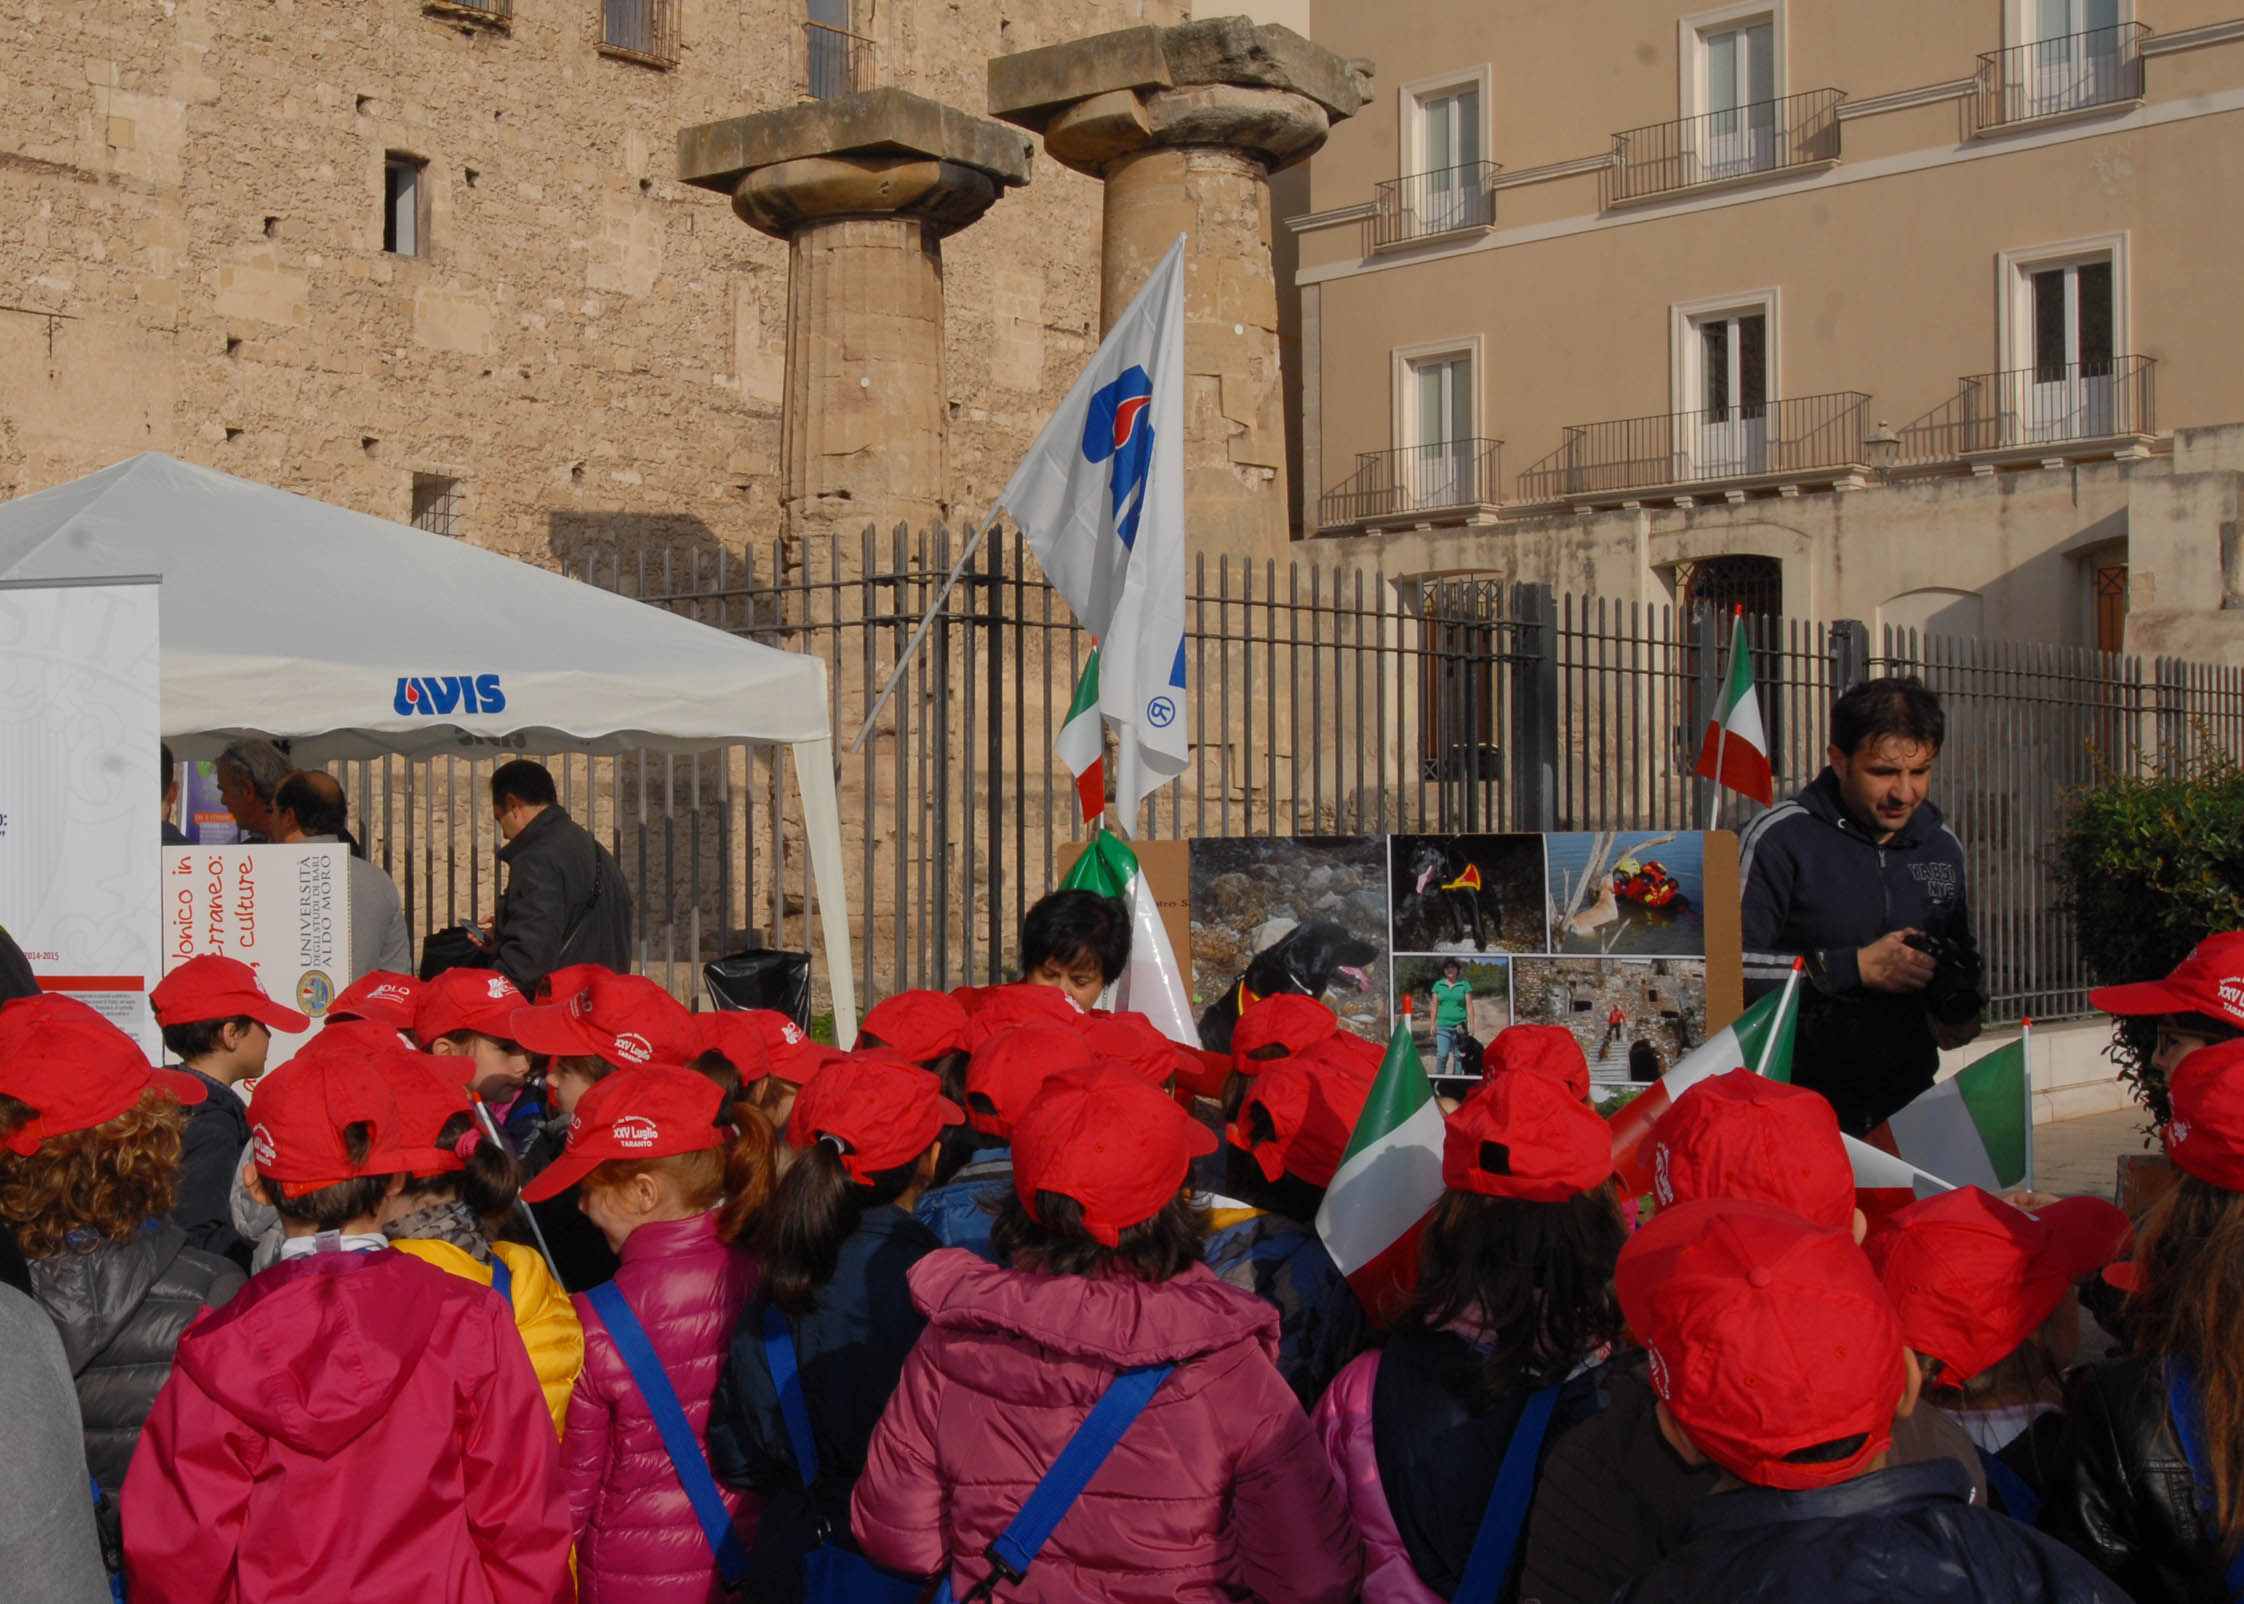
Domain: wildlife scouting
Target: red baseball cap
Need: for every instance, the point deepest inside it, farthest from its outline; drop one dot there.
(301, 1110)
(1298, 1117)
(1288, 1020)
(1105, 1138)
(1009, 1069)
(1133, 1039)
(921, 1025)
(481, 1000)
(566, 981)
(627, 1020)
(1347, 1052)
(211, 987)
(652, 1111)
(995, 1008)
(789, 1052)
(1767, 1335)
(879, 1112)
(74, 1068)
(1546, 1050)
(1525, 1136)
(2209, 981)
(429, 1095)
(379, 995)
(2206, 1135)
(1971, 1277)
(740, 1039)
(1742, 1135)
(366, 1037)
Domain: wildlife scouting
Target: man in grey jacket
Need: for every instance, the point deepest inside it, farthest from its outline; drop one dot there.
(308, 810)
(48, 1548)
(566, 901)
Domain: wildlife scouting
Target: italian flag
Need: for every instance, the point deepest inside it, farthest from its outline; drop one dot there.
(1735, 752)
(1388, 1182)
(1973, 1129)
(1082, 742)
(1152, 982)
(1760, 1039)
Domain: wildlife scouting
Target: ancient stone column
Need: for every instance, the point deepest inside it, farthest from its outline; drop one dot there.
(1185, 124)
(863, 189)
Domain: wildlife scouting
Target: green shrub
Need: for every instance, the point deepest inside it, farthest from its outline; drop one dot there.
(2146, 869)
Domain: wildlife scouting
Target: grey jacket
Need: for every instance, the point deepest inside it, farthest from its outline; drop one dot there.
(379, 939)
(566, 902)
(48, 1550)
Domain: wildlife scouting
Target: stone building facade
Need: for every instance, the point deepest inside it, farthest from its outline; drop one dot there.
(432, 260)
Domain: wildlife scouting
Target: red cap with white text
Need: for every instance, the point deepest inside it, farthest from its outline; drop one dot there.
(653, 1111)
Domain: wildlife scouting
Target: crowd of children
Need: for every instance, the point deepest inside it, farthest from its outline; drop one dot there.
(588, 1297)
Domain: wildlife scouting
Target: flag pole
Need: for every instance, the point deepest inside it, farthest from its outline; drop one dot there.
(1783, 1016)
(2026, 1052)
(1722, 718)
(491, 1129)
(911, 648)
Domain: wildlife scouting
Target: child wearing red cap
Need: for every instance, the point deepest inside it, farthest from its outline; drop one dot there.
(671, 1182)
(1504, 1339)
(446, 1211)
(836, 1243)
(2151, 1483)
(90, 1138)
(1985, 1295)
(469, 1013)
(1002, 1075)
(218, 1022)
(1281, 1151)
(357, 1423)
(1216, 1491)
(1777, 1357)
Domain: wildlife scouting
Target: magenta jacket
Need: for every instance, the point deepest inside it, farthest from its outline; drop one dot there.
(1218, 1492)
(637, 1539)
(1343, 1425)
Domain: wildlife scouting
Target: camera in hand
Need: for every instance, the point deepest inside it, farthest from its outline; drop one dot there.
(1952, 995)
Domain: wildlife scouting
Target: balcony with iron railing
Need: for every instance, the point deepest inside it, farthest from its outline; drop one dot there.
(1717, 147)
(2044, 413)
(1424, 205)
(2056, 77)
(640, 30)
(1807, 440)
(836, 62)
(1416, 483)
(489, 13)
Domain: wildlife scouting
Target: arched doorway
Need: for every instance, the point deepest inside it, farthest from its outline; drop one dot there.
(1756, 583)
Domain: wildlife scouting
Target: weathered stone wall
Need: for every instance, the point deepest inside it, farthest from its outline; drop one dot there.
(191, 261)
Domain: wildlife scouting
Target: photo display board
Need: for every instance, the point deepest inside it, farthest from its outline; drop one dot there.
(1627, 938)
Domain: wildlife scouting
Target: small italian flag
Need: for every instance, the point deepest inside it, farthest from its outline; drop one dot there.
(1152, 982)
(1760, 1039)
(1082, 742)
(1388, 1182)
(1735, 752)
(1973, 1129)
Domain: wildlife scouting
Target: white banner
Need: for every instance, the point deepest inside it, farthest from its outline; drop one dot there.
(284, 911)
(81, 802)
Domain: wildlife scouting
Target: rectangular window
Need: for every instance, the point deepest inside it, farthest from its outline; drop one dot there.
(1740, 101)
(436, 503)
(1723, 388)
(404, 208)
(1439, 452)
(2068, 379)
(838, 61)
(646, 29)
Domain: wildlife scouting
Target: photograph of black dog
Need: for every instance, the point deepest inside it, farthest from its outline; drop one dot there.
(1308, 960)
(1468, 893)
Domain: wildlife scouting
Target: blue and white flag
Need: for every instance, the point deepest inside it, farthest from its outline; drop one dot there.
(1100, 497)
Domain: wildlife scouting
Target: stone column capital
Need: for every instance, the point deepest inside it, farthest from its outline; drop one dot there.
(1260, 89)
(885, 153)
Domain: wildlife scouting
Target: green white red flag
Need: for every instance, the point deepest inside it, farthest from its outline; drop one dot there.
(1735, 753)
(1082, 742)
(1760, 1039)
(1976, 1128)
(1388, 1182)
(1152, 982)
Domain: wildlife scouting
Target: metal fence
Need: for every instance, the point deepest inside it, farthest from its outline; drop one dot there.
(1765, 136)
(1322, 703)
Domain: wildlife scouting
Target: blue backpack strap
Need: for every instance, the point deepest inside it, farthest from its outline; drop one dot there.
(1501, 1523)
(678, 1439)
(2181, 1403)
(2019, 1500)
(787, 1381)
(502, 1279)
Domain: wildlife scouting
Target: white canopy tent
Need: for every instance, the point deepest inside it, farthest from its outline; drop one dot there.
(352, 636)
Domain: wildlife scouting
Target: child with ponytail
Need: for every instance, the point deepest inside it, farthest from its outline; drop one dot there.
(835, 1309)
(672, 1175)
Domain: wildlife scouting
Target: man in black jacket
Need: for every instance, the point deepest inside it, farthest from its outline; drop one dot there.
(566, 901)
(1859, 875)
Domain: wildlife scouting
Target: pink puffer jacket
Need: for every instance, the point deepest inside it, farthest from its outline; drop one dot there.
(1217, 1493)
(637, 1539)
(1343, 1425)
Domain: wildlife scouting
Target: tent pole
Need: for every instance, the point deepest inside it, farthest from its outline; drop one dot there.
(911, 649)
(814, 773)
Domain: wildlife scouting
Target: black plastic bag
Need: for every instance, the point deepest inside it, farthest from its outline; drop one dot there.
(761, 978)
(450, 948)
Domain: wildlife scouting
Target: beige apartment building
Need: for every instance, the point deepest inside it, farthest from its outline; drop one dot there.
(1923, 313)
(432, 258)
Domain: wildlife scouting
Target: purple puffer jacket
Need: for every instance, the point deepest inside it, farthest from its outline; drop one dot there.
(1217, 1493)
(637, 1539)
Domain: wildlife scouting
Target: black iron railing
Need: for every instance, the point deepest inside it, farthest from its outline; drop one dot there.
(2049, 77)
(1423, 204)
(2053, 404)
(1803, 436)
(1433, 478)
(1764, 137)
(837, 62)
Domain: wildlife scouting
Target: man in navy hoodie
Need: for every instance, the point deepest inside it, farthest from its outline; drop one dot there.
(1859, 875)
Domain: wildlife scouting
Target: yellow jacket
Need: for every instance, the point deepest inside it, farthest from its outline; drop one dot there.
(542, 1311)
